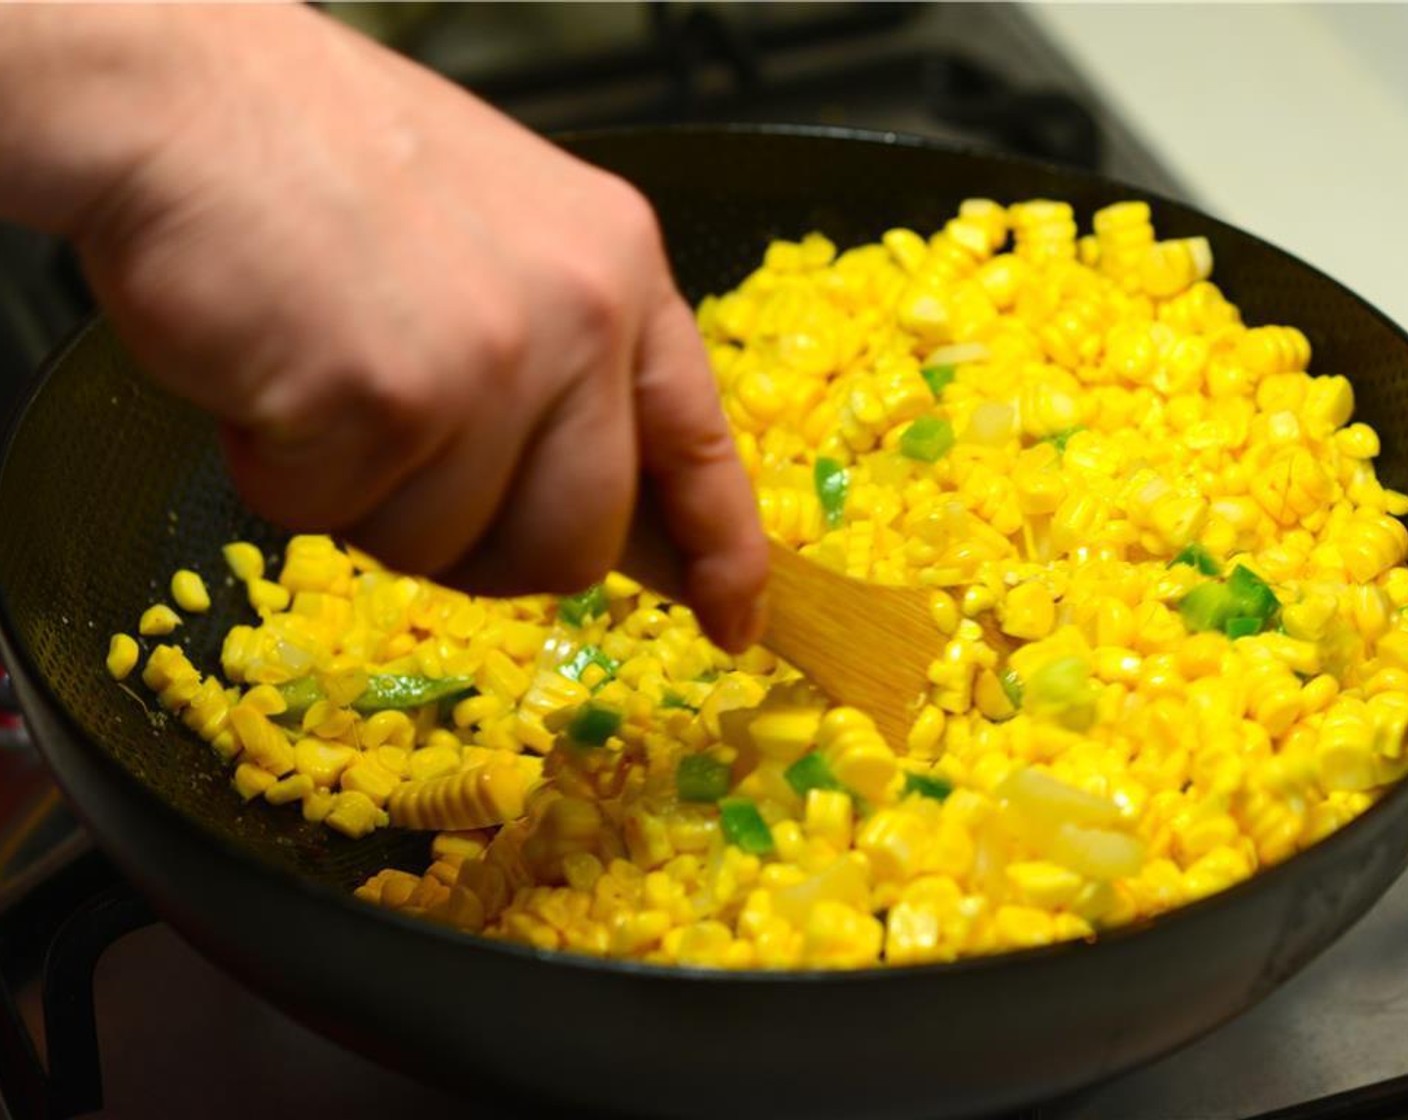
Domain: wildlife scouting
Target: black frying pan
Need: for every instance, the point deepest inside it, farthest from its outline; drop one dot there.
(108, 486)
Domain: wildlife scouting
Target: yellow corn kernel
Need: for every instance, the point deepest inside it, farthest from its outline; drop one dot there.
(433, 761)
(633, 933)
(1169, 267)
(828, 816)
(581, 870)
(265, 699)
(1272, 350)
(245, 561)
(391, 888)
(189, 591)
(388, 727)
(569, 825)
(785, 734)
(859, 757)
(1358, 441)
(907, 248)
(328, 721)
(353, 814)
(366, 775)
(1370, 545)
(317, 805)
(460, 908)
(322, 762)
(1044, 884)
(1344, 749)
(172, 677)
(158, 619)
(313, 563)
(265, 595)
(1329, 403)
(261, 740)
(250, 780)
(1308, 618)
(976, 600)
(647, 837)
(926, 734)
(293, 788)
(895, 843)
(1023, 926)
(1216, 871)
(502, 677)
(487, 793)
(122, 656)
(991, 698)
(1028, 612)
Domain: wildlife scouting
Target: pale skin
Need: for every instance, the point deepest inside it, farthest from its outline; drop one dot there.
(420, 326)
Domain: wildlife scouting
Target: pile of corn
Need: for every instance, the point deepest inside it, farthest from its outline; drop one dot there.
(1076, 443)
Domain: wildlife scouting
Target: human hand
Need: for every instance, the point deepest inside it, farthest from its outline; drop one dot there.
(421, 326)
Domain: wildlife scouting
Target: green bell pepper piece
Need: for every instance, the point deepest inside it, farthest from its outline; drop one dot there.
(384, 691)
(926, 785)
(586, 656)
(581, 608)
(593, 724)
(1242, 627)
(403, 692)
(1012, 686)
(833, 482)
(938, 378)
(1196, 556)
(1238, 602)
(744, 826)
(701, 778)
(1059, 440)
(810, 772)
(1207, 607)
(928, 439)
(1252, 594)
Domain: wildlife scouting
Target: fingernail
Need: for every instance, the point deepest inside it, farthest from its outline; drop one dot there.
(749, 631)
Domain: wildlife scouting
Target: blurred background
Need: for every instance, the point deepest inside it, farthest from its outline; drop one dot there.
(1290, 120)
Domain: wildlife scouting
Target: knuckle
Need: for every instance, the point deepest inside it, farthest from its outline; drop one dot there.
(630, 216)
(397, 402)
(600, 302)
(500, 335)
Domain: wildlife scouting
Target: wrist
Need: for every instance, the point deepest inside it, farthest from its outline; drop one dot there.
(83, 100)
(91, 96)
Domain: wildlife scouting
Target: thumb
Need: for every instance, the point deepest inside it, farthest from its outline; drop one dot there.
(703, 493)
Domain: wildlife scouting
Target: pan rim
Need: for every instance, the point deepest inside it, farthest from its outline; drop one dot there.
(1036, 957)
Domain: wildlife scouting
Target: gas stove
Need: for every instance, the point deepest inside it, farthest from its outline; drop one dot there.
(130, 1022)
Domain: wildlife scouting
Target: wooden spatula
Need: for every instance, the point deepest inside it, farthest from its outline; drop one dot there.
(864, 644)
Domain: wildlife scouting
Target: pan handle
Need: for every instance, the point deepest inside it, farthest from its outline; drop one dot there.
(9, 702)
(68, 921)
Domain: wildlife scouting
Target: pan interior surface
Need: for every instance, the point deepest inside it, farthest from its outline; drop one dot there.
(109, 485)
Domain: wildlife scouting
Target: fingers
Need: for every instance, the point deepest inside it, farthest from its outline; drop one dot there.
(332, 474)
(442, 511)
(563, 521)
(703, 491)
